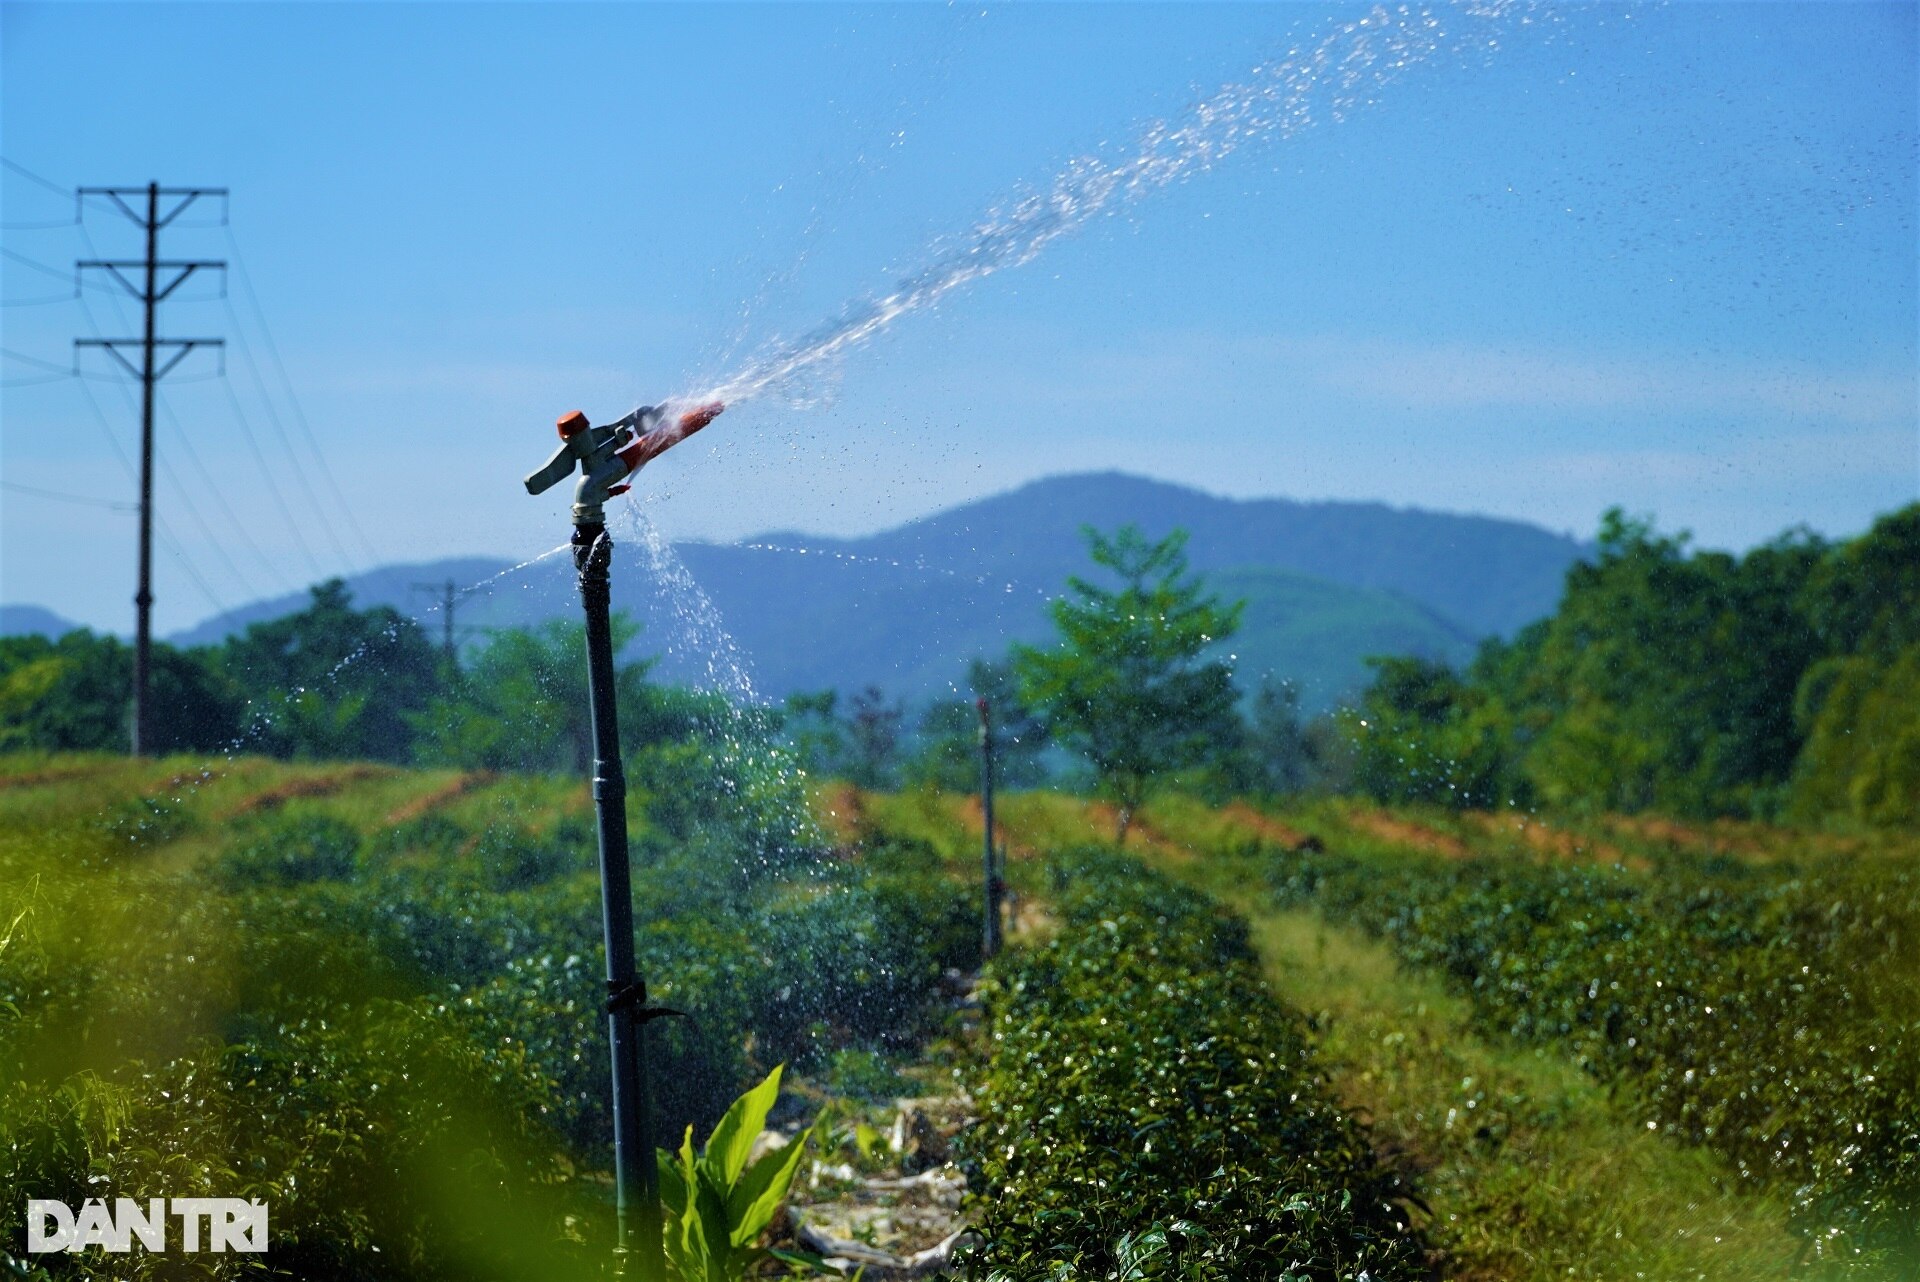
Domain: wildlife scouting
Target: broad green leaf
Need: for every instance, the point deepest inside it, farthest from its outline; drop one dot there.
(686, 1157)
(673, 1184)
(732, 1139)
(699, 1265)
(710, 1204)
(753, 1202)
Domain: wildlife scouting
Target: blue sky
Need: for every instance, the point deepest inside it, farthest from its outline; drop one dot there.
(1662, 257)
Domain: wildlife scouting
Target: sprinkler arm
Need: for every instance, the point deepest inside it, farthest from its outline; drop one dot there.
(608, 455)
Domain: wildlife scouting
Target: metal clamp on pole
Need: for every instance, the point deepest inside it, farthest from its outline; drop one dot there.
(634, 997)
(606, 457)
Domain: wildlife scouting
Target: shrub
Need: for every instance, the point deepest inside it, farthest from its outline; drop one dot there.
(1148, 1110)
(291, 851)
(1768, 1014)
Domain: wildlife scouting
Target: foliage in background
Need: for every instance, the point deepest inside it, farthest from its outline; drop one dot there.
(71, 695)
(947, 752)
(1858, 706)
(332, 681)
(1777, 683)
(1149, 1111)
(1692, 683)
(1125, 687)
(1422, 734)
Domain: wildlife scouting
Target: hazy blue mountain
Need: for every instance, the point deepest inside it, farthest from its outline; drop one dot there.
(1326, 584)
(388, 585)
(32, 620)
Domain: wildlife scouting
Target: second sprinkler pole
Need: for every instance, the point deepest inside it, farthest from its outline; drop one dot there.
(607, 457)
(993, 887)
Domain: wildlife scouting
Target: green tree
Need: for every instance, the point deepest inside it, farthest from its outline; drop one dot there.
(1666, 679)
(1280, 757)
(1422, 733)
(1860, 706)
(1864, 595)
(1126, 687)
(873, 739)
(333, 681)
(810, 723)
(1862, 756)
(1019, 733)
(947, 751)
(947, 747)
(75, 694)
(522, 703)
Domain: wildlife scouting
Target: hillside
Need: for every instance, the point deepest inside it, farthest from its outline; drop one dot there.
(1326, 584)
(32, 620)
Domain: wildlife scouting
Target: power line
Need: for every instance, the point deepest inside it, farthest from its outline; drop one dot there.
(32, 177)
(271, 486)
(65, 193)
(193, 510)
(299, 412)
(167, 540)
(286, 441)
(218, 493)
(55, 272)
(69, 498)
(24, 359)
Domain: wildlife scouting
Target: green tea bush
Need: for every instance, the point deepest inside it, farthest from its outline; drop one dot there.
(1772, 1015)
(858, 963)
(291, 851)
(1148, 1110)
(388, 1142)
(399, 1040)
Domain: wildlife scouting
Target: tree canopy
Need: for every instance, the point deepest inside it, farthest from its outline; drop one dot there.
(1126, 687)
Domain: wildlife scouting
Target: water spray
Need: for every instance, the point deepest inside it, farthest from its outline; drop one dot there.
(607, 458)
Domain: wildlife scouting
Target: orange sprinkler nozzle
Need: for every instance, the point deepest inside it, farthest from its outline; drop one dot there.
(571, 424)
(693, 420)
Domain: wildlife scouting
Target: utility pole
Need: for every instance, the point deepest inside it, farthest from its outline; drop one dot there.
(450, 595)
(990, 938)
(151, 293)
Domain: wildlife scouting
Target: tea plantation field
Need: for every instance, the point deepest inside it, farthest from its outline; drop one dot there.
(1327, 1042)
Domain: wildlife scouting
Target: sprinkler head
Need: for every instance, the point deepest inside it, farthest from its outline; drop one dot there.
(606, 456)
(695, 419)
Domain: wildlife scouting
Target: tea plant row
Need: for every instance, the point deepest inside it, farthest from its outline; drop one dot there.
(396, 1040)
(1771, 1014)
(1148, 1110)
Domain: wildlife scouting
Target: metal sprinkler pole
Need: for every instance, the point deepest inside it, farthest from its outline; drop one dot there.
(606, 457)
(635, 1174)
(990, 940)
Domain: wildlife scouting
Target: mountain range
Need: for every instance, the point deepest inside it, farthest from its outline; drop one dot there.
(1325, 584)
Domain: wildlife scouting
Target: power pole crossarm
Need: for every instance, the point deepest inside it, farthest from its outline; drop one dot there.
(150, 293)
(181, 268)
